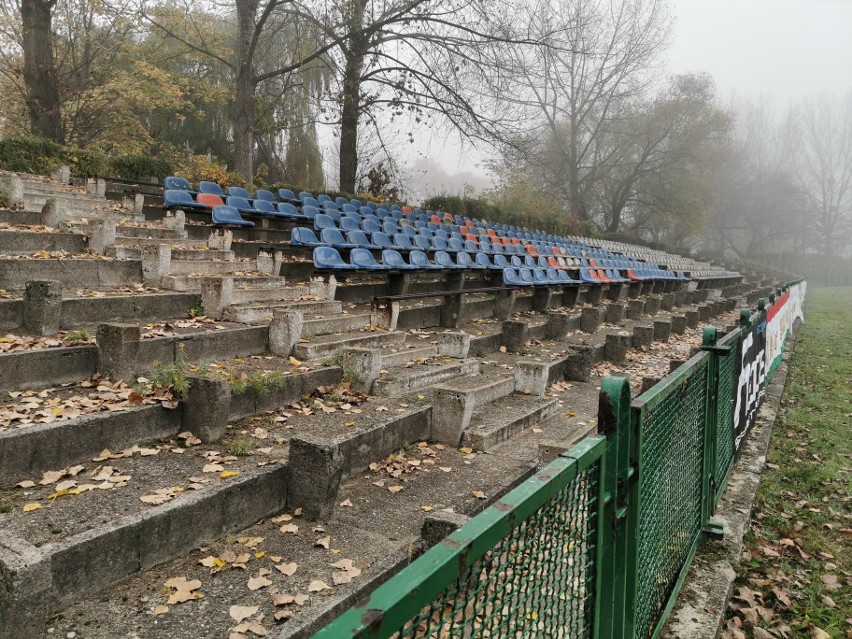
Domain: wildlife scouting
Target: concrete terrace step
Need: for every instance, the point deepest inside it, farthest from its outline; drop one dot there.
(334, 324)
(242, 283)
(454, 403)
(399, 356)
(122, 232)
(260, 312)
(138, 242)
(325, 345)
(400, 379)
(505, 418)
(180, 254)
(209, 266)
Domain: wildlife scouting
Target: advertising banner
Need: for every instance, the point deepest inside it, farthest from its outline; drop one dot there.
(752, 381)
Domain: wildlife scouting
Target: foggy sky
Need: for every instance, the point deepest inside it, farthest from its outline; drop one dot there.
(779, 50)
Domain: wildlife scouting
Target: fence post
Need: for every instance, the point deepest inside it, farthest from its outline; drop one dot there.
(618, 510)
(709, 479)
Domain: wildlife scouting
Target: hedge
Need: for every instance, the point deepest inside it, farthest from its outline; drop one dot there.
(39, 156)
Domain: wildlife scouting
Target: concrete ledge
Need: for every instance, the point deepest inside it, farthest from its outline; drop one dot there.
(298, 384)
(29, 451)
(39, 368)
(154, 307)
(87, 563)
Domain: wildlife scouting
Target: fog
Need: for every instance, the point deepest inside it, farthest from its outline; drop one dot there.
(774, 51)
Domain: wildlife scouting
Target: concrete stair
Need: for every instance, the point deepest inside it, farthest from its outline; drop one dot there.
(454, 403)
(327, 345)
(242, 285)
(261, 312)
(400, 379)
(393, 356)
(334, 324)
(505, 418)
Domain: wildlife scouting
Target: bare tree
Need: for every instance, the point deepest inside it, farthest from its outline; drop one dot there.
(823, 162)
(599, 58)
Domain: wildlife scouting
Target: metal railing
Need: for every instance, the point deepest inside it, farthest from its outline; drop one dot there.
(599, 542)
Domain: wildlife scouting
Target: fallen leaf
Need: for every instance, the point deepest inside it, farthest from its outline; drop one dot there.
(161, 609)
(323, 541)
(289, 528)
(317, 585)
(225, 474)
(256, 583)
(287, 569)
(346, 503)
(479, 494)
(184, 590)
(239, 613)
(28, 508)
(395, 489)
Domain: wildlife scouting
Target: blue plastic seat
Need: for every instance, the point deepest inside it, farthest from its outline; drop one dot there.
(394, 259)
(326, 257)
(470, 245)
(464, 260)
(389, 227)
(373, 205)
(402, 241)
(370, 226)
(511, 277)
(301, 236)
(586, 278)
(501, 261)
(440, 244)
(349, 224)
(362, 258)
(239, 203)
(422, 243)
(552, 275)
(309, 201)
(420, 260)
(322, 198)
(443, 259)
(288, 209)
(266, 196)
(177, 199)
(348, 208)
(564, 278)
(382, 240)
(360, 238)
(323, 221)
(364, 211)
(541, 262)
(210, 187)
(175, 183)
(540, 276)
(455, 245)
(286, 195)
(396, 215)
(265, 207)
(410, 231)
(239, 191)
(340, 201)
(304, 194)
(224, 215)
(483, 260)
(334, 237)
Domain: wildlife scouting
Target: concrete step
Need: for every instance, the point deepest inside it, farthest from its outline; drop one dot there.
(182, 254)
(401, 379)
(326, 345)
(454, 403)
(123, 232)
(261, 312)
(209, 267)
(505, 418)
(267, 289)
(400, 356)
(138, 242)
(334, 323)
(242, 284)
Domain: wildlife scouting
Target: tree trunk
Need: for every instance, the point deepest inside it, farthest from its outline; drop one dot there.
(355, 53)
(244, 93)
(40, 69)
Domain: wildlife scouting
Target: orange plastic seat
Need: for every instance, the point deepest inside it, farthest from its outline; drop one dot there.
(407, 209)
(436, 220)
(593, 262)
(209, 199)
(469, 223)
(530, 249)
(551, 262)
(631, 274)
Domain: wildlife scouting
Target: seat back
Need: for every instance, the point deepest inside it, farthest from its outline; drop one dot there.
(382, 240)
(177, 197)
(266, 196)
(362, 258)
(175, 183)
(370, 226)
(401, 240)
(423, 243)
(323, 221)
(322, 198)
(238, 202)
(443, 259)
(359, 238)
(393, 258)
(390, 228)
(239, 191)
(286, 195)
(209, 199)
(327, 257)
(228, 216)
(210, 187)
(288, 209)
(419, 259)
(265, 206)
(349, 224)
(309, 201)
(333, 236)
(301, 236)
(464, 259)
(340, 201)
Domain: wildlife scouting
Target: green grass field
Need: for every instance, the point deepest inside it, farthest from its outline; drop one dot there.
(795, 577)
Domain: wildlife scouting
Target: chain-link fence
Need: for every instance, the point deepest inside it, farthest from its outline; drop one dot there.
(598, 543)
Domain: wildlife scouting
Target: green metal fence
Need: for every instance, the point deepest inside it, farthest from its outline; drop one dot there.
(599, 542)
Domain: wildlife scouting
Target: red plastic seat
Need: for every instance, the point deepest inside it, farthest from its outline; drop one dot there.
(552, 263)
(209, 199)
(602, 277)
(593, 263)
(631, 274)
(436, 220)
(530, 249)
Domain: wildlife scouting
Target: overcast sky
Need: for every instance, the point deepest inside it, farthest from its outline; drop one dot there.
(779, 49)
